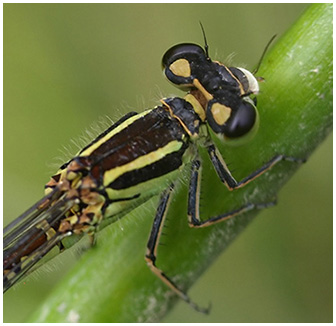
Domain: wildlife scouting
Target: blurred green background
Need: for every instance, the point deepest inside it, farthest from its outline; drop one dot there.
(68, 65)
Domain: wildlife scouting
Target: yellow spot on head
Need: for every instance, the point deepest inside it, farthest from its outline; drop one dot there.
(180, 68)
(220, 113)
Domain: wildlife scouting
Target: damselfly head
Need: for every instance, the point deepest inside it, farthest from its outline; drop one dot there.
(223, 92)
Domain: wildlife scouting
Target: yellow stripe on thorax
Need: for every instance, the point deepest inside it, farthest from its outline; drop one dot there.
(142, 161)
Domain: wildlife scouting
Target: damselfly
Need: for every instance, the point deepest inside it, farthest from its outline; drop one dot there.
(140, 156)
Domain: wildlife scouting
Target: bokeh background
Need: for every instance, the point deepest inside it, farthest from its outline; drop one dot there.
(67, 66)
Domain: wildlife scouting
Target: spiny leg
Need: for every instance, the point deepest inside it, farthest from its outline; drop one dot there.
(152, 245)
(226, 177)
(193, 202)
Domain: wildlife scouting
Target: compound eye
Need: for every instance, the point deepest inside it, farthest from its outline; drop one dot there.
(178, 61)
(242, 121)
(232, 123)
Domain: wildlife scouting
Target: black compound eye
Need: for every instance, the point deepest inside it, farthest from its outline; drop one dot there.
(188, 51)
(241, 121)
(234, 122)
(177, 62)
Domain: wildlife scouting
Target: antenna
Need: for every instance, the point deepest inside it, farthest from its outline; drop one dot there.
(263, 54)
(206, 46)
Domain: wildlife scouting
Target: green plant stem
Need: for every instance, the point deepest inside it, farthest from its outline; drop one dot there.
(111, 282)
